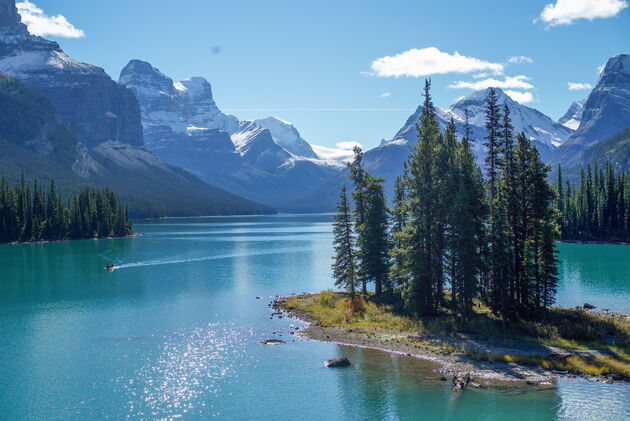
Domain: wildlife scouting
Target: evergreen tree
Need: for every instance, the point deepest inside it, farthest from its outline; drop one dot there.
(399, 269)
(345, 264)
(420, 183)
(359, 177)
(374, 235)
(468, 215)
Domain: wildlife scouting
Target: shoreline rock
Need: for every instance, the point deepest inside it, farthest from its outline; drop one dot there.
(337, 363)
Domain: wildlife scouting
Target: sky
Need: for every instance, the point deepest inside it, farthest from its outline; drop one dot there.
(349, 71)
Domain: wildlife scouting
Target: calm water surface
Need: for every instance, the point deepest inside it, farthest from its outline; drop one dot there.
(173, 332)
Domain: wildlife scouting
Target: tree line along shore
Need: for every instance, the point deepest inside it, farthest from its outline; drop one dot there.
(465, 251)
(30, 214)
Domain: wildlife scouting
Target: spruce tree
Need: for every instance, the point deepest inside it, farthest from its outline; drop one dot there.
(359, 178)
(467, 215)
(420, 184)
(375, 236)
(345, 260)
(399, 269)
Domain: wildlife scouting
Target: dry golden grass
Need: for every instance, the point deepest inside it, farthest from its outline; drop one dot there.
(572, 329)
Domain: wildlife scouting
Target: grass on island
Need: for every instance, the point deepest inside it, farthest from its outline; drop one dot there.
(571, 329)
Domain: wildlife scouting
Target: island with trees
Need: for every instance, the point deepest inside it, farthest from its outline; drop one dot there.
(463, 268)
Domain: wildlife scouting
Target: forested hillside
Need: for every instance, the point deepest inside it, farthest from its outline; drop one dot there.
(33, 139)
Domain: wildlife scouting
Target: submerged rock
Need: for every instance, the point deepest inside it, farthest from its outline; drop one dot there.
(272, 342)
(338, 363)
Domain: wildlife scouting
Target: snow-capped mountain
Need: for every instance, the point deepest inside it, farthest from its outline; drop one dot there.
(257, 147)
(388, 159)
(539, 128)
(84, 95)
(286, 135)
(86, 129)
(573, 116)
(172, 111)
(265, 160)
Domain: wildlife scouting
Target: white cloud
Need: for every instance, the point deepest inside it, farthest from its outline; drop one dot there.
(600, 69)
(43, 25)
(509, 82)
(520, 59)
(520, 97)
(430, 61)
(579, 86)
(385, 95)
(348, 146)
(564, 12)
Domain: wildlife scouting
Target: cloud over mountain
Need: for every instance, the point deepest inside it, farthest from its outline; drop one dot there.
(430, 61)
(43, 25)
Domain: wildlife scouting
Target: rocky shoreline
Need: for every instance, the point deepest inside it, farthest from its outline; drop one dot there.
(456, 364)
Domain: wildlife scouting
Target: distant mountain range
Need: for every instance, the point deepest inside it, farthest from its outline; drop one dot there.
(85, 129)
(388, 159)
(590, 130)
(264, 160)
(163, 144)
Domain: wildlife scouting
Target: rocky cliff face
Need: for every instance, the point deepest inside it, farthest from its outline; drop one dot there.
(174, 111)
(607, 109)
(87, 99)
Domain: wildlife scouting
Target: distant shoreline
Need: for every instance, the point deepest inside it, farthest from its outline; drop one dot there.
(614, 243)
(17, 243)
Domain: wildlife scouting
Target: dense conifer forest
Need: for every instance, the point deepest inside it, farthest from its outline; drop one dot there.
(29, 214)
(454, 236)
(597, 208)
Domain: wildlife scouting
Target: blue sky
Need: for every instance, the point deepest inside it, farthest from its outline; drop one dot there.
(350, 70)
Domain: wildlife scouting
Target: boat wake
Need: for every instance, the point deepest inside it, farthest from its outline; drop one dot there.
(178, 259)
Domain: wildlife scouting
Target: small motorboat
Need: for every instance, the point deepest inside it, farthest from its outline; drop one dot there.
(110, 266)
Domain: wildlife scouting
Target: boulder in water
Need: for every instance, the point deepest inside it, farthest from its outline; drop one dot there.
(272, 342)
(337, 363)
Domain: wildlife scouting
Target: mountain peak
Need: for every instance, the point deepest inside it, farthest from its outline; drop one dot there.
(607, 110)
(138, 66)
(195, 87)
(573, 116)
(616, 67)
(139, 72)
(619, 63)
(286, 135)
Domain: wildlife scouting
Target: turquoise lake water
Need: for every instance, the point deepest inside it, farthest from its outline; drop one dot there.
(173, 332)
